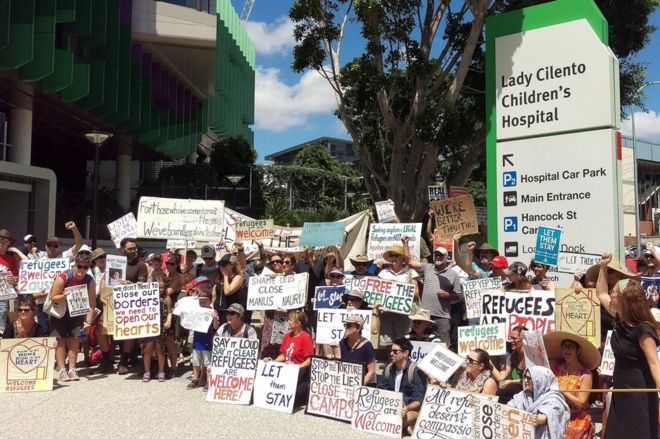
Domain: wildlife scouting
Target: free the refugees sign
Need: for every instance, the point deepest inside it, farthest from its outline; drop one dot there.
(454, 216)
(445, 413)
(275, 386)
(137, 311)
(330, 324)
(27, 364)
(383, 236)
(286, 292)
(490, 338)
(36, 275)
(472, 293)
(377, 411)
(534, 310)
(233, 366)
(331, 387)
(328, 297)
(124, 227)
(441, 363)
(173, 218)
(393, 296)
(322, 234)
(254, 230)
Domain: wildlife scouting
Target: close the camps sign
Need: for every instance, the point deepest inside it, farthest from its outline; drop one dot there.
(137, 311)
(331, 387)
(393, 296)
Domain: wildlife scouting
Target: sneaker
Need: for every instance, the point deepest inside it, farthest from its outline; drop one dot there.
(161, 377)
(193, 384)
(73, 375)
(146, 377)
(62, 376)
(122, 370)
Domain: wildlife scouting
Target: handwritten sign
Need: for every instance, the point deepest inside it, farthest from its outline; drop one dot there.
(534, 349)
(331, 388)
(322, 234)
(494, 420)
(328, 297)
(27, 364)
(383, 236)
(482, 215)
(280, 327)
(445, 413)
(286, 292)
(421, 349)
(437, 193)
(173, 218)
(180, 243)
(77, 300)
(377, 411)
(198, 319)
(137, 311)
(115, 269)
(576, 262)
(233, 366)
(330, 324)
(607, 362)
(251, 230)
(393, 296)
(455, 215)
(441, 363)
(472, 292)
(38, 275)
(490, 338)
(578, 312)
(547, 246)
(534, 310)
(124, 227)
(275, 386)
(7, 290)
(385, 211)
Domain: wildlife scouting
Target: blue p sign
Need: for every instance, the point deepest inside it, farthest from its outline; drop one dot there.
(509, 179)
(510, 224)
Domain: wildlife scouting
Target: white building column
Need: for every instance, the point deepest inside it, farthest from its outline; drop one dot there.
(123, 176)
(20, 128)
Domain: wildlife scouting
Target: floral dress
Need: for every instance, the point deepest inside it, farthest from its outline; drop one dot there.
(580, 426)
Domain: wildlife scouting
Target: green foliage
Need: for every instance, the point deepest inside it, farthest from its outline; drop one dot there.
(297, 217)
(232, 156)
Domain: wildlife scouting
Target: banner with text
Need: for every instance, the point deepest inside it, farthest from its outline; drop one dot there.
(137, 311)
(233, 366)
(328, 297)
(377, 411)
(607, 362)
(27, 364)
(254, 230)
(437, 193)
(124, 227)
(455, 215)
(115, 269)
(275, 386)
(494, 420)
(472, 290)
(331, 387)
(445, 413)
(393, 296)
(286, 292)
(385, 211)
(38, 275)
(490, 338)
(578, 312)
(174, 218)
(534, 310)
(441, 363)
(322, 234)
(330, 324)
(77, 300)
(383, 236)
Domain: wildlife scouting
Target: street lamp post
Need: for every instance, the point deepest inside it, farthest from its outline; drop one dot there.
(234, 179)
(638, 241)
(96, 138)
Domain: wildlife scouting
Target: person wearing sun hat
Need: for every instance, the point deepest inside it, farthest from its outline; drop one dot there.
(353, 299)
(572, 359)
(478, 261)
(423, 328)
(354, 348)
(361, 264)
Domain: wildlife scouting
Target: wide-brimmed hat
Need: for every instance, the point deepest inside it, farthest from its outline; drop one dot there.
(97, 253)
(485, 247)
(422, 314)
(395, 250)
(361, 259)
(354, 293)
(589, 355)
(615, 264)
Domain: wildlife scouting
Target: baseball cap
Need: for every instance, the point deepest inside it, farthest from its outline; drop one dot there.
(199, 280)
(337, 271)
(208, 252)
(227, 258)
(237, 308)
(355, 318)
(54, 240)
(85, 248)
(500, 262)
(441, 250)
(30, 239)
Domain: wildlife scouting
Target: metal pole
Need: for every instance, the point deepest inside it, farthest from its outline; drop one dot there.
(290, 195)
(250, 194)
(95, 199)
(345, 194)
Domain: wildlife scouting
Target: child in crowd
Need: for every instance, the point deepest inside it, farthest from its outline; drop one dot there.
(202, 341)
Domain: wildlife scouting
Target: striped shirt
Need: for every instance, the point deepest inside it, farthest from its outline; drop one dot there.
(447, 280)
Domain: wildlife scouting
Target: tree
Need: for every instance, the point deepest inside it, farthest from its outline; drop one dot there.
(416, 91)
(232, 156)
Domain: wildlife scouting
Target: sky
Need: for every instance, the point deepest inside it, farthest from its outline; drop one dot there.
(292, 108)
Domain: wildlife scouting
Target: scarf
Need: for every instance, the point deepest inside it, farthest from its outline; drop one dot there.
(467, 384)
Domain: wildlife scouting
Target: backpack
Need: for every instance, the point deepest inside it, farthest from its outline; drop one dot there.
(411, 372)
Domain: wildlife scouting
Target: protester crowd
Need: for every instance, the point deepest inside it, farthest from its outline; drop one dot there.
(220, 283)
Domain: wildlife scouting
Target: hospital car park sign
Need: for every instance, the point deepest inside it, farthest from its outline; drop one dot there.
(552, 144)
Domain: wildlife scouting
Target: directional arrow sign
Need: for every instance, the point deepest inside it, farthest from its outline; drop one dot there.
(506, 158)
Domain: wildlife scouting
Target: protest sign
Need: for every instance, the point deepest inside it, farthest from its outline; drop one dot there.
(458, 191)
(124, 227)
(534, 349)
(441, 363)
(180, 244)
(328, 297)
(445, 413)
(331, 387)
(547, 246)
(286, 292)
(254, 230)
(578, 312)
(185, 304)
(275, 386)
(280, 327)
(198, 319)
(472, 292)
(27, 364)
(115, 269)
(437, 193)
(490, 338)
(108, 316)
(534, 310)
(421, 349)
(173, 218)
(576, 262)
(607, 362)
(377, 411)
(38, 275)
(493, 420)
(137, 311)
(322, 234)
(77, 300)
(330, 324)
(455, 215)
(233, 365)
(650, 285)
(384, 236)
(385, 211)
(393, 296)
(7, 290)
(482, 215)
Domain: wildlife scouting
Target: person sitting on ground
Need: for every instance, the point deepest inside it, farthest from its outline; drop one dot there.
(540, 280)
(423, 328)
(510, 375)
(357, 349)
(236, 325)
(476, 377)
(26, 325)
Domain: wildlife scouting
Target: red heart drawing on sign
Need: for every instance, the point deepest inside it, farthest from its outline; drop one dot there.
(29, 356)
(574, 304)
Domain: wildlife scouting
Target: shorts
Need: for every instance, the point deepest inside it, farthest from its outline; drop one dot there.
(201, 358)
(392, 326)
(67, 326)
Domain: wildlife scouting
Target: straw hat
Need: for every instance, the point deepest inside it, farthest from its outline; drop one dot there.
(395, 250)
(97, 253)
(422, 314)
(589, 355)
(485, 247)
(361, 259)
(615, 264)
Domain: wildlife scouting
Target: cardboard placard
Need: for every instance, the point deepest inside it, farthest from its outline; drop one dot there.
(331, 387)
(173, 218)
(322, 234)
(330, 324)
(455, 215)
(7, 290)
(280, 327)
(137, 311)
(441, 363)
(108, 316)
(38, 275)
(115, 269)
(27, 364)
(198, 319)
(124, 227)
(233, 366)
(547, 246)
(77, 300)
(385, 211)
(578, 311)
(438, 192)
(534, 310)
(286, 292)
(490, 338)
(445, 413)
(494, 420)
(421, 349)
(472, 290)
(275, 386)
(534, 349)
(328, 297)
(377, 411)
(393, 296)
(608, 360)
(383, 236)
(254, 230)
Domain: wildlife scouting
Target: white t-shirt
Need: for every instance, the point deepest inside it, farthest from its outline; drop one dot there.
(397, 380)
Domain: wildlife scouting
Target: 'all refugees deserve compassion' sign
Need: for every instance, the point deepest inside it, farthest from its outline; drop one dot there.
(233, 365)
(331, 387)
(393, 296)
(137, 311)
(173, 218)
(273, 292)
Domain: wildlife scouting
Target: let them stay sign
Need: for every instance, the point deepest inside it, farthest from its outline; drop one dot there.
(547, 246)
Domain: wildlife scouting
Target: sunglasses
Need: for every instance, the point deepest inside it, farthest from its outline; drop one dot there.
(287, 262)
(336, 276)
(53, 245)
(514, 339)
(5, 238)
(25, 310)
(396, 351)
(82, 267)
(471, 360)
(277, 261)
(360, 265)
(439, 255)
(348, 325)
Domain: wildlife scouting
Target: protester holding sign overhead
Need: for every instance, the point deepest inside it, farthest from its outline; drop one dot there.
(634, 343)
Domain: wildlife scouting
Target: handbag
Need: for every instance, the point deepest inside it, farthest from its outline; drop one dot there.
(56, 310)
